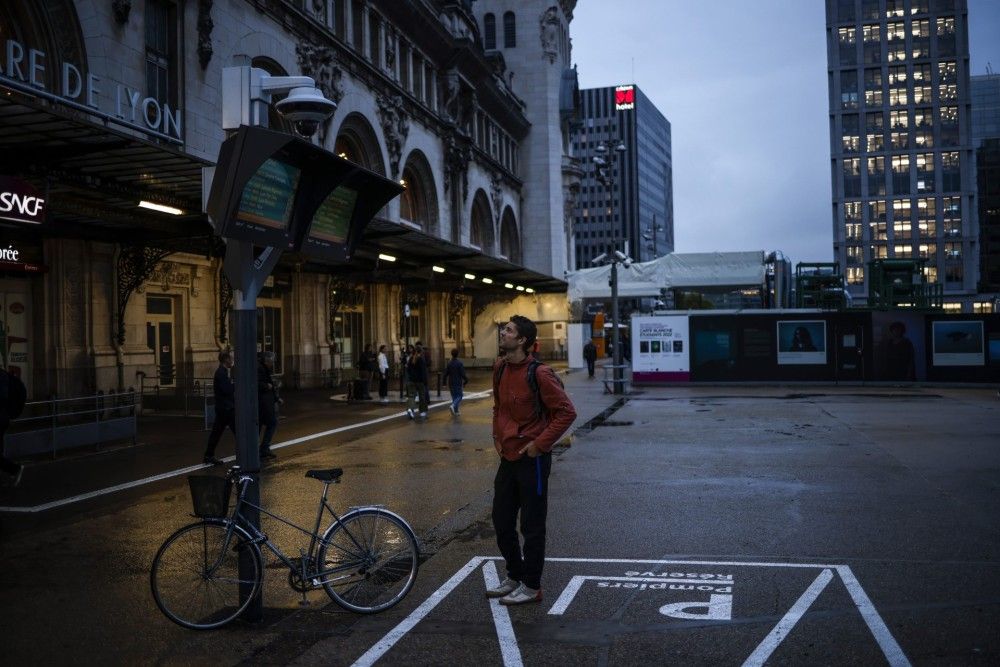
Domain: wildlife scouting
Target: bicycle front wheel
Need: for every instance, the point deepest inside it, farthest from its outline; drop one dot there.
(196, 575)
(368, 560)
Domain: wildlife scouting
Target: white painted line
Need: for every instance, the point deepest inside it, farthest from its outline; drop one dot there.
(509, 649)
(678, 562)
(573, 587)
(184, 471)
(785, 625)
(893, 653)
(389, 640)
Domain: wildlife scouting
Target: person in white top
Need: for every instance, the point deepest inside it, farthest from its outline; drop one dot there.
(383, 375)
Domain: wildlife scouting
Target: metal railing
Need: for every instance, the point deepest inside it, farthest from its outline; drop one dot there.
(59, 424)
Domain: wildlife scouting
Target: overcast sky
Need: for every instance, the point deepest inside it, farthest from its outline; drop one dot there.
(743, 85)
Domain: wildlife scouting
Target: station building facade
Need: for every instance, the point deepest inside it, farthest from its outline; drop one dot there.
(106, 105)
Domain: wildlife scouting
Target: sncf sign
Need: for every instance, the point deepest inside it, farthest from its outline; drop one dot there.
(624, 98)
(19, 201)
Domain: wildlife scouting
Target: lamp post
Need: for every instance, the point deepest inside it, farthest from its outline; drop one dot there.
(603, 164)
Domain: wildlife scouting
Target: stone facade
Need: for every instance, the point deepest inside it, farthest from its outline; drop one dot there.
(479, 136)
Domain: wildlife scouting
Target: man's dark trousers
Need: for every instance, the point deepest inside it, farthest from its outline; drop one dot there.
(522, 485)
(223, 418)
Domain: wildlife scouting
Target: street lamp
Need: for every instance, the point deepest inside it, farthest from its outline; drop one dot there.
(602, 166)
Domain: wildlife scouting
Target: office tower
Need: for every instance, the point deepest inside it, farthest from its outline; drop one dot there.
(902, 155)
(639, 211)
(985, 93)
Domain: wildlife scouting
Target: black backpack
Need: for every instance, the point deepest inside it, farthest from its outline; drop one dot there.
(532, 383)
(17, 395)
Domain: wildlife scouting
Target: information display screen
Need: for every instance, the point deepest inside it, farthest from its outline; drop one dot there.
(269, 195)
(332, 222)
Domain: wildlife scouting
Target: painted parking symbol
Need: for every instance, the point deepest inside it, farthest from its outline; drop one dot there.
(717, 594)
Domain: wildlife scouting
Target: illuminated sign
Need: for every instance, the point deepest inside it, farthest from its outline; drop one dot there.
(23, 70)
(624, 98)
(19, 201)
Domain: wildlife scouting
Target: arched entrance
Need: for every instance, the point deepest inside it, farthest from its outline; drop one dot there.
(418, 204)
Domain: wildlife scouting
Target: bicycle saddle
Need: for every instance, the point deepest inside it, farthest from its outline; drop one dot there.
(331, 475)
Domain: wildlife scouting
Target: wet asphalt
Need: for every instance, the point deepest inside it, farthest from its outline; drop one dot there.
(687, 525)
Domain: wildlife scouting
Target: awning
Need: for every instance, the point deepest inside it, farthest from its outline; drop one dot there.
(94, 176)
(416, 252)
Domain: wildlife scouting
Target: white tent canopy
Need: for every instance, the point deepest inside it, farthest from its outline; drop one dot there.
(686, 270)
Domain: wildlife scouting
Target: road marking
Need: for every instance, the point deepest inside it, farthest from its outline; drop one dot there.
(417, 615)
(508, 641)
(509, 649)
(785, 625)
(573, 587)
(189, 469)
(893, 652)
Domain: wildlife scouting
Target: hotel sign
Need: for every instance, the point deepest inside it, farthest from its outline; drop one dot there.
(23, 69)
(19, 202)
(624, 98)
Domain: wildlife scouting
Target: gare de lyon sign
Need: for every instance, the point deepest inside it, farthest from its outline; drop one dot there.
(24, 70)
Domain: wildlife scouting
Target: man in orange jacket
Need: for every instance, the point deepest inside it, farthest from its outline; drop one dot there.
(525, 427)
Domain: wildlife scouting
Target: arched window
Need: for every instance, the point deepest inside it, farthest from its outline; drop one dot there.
(490, 31)
(418, 203)
(481, 224)
(509, 31)
(357, 142)
(510, 246)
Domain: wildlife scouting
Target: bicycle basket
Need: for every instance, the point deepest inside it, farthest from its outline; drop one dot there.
(210, 495)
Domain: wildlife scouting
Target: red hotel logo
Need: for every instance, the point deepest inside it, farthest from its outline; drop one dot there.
(624, 98)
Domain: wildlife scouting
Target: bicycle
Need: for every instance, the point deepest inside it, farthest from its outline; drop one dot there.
(366, 560)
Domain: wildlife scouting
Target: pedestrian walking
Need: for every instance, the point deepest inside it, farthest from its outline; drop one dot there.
(454, 374)
(225, 405)
(12, 397)
(366, 367)
(524, 438)
(416, 383)
(268, 401)
(383, 375)
(590, 356)
(427, 375)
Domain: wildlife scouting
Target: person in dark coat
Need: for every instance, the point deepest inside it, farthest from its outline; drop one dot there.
(267, 403)
(225, 405)
(590, 356)
(454, 375)
(416, 383)
(11, 468)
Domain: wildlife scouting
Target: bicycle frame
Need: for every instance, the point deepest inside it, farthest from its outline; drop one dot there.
(237, 520)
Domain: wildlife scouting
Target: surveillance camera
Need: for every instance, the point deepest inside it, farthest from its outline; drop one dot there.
(621, 256)
(627, 262)
(305, 107)
(600, 258)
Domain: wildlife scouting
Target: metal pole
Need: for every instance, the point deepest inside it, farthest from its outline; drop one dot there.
(247, 431)
(615, 341)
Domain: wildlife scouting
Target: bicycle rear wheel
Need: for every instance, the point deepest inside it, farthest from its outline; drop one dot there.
(195, 575)
(375, 554)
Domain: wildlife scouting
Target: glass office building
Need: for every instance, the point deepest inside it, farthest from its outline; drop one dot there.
(640, 207)
(902, 161)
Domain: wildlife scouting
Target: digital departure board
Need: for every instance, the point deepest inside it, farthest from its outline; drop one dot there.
(332, 221)
(269, 195)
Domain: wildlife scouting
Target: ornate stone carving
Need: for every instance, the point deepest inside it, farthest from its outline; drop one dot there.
(205, 26)
(121, 9)
(450, 87)
(319, 10)
(457, 155)
(550, 26)
(134, 266)
(318, 62)
(390, 50)
(570, 195)
(457, 303)
(167, 275)
(395, 127)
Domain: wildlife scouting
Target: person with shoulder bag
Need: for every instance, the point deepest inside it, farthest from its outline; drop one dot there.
(531, 411)
(454, 375)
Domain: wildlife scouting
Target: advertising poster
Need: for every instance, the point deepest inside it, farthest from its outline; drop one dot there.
(900, 348)
(958, 344)
(801, 342)
(660, 349)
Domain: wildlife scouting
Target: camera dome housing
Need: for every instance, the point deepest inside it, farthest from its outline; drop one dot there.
(305, 107)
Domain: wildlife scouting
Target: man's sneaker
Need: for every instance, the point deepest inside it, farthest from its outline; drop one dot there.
(267, 454)
(409, 412)
(453, 410)
(211, 460)
(17, 477)
(423, 415)
(522, 595)
(506, 587)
